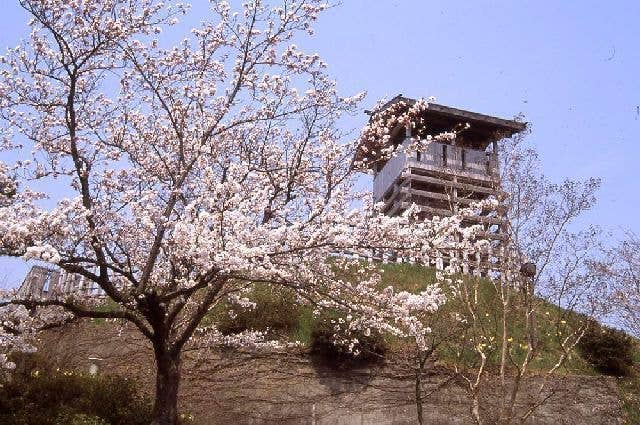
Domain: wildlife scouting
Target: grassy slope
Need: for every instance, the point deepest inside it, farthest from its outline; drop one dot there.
(550, 321)
(414, 278)
(279, 311)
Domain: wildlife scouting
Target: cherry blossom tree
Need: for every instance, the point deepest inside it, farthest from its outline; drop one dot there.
(178, 176)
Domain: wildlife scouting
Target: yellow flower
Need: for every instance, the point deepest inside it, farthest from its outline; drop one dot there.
(510, 339)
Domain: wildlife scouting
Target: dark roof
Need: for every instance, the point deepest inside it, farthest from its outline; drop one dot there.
(483, 129)
(461, 116)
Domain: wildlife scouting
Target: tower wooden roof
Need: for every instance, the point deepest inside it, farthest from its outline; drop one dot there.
(483, 129)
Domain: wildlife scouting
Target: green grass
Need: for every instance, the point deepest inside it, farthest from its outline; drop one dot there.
(553, 323)
(630, 391)
(107, 305)
(408, 277)
(276, 309)
(306, 323)
(630, 397)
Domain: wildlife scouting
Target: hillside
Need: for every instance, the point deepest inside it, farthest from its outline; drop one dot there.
(290, 387)
(279, 316)
(295, 385)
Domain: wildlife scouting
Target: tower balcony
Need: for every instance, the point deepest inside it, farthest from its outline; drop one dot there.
(438, 160)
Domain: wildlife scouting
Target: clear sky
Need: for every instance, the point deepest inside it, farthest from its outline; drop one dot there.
(572, 68)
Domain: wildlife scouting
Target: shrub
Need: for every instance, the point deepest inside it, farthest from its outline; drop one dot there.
(331, 346)
(42, 395)
(70, 418)
(276, 311)
(610, 351)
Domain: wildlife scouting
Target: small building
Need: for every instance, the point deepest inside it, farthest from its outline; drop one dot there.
(444, 176)
(49, 283)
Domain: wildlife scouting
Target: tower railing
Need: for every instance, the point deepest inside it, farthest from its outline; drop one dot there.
(47, 283)
(437, 157)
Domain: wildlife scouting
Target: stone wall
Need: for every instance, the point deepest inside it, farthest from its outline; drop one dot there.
(290, 388)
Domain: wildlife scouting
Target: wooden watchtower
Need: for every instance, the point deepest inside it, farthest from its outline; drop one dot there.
(445, 176)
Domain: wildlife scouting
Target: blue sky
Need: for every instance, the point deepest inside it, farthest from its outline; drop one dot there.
(572, 68)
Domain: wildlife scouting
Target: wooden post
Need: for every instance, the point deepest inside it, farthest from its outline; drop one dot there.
(487, 267)
(465, 262)
(453, 264)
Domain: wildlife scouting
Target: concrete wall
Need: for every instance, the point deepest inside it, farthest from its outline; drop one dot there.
(290, 388)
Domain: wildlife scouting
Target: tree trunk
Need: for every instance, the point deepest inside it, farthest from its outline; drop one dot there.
(165, 408)
(419, 372)
(419, 397)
